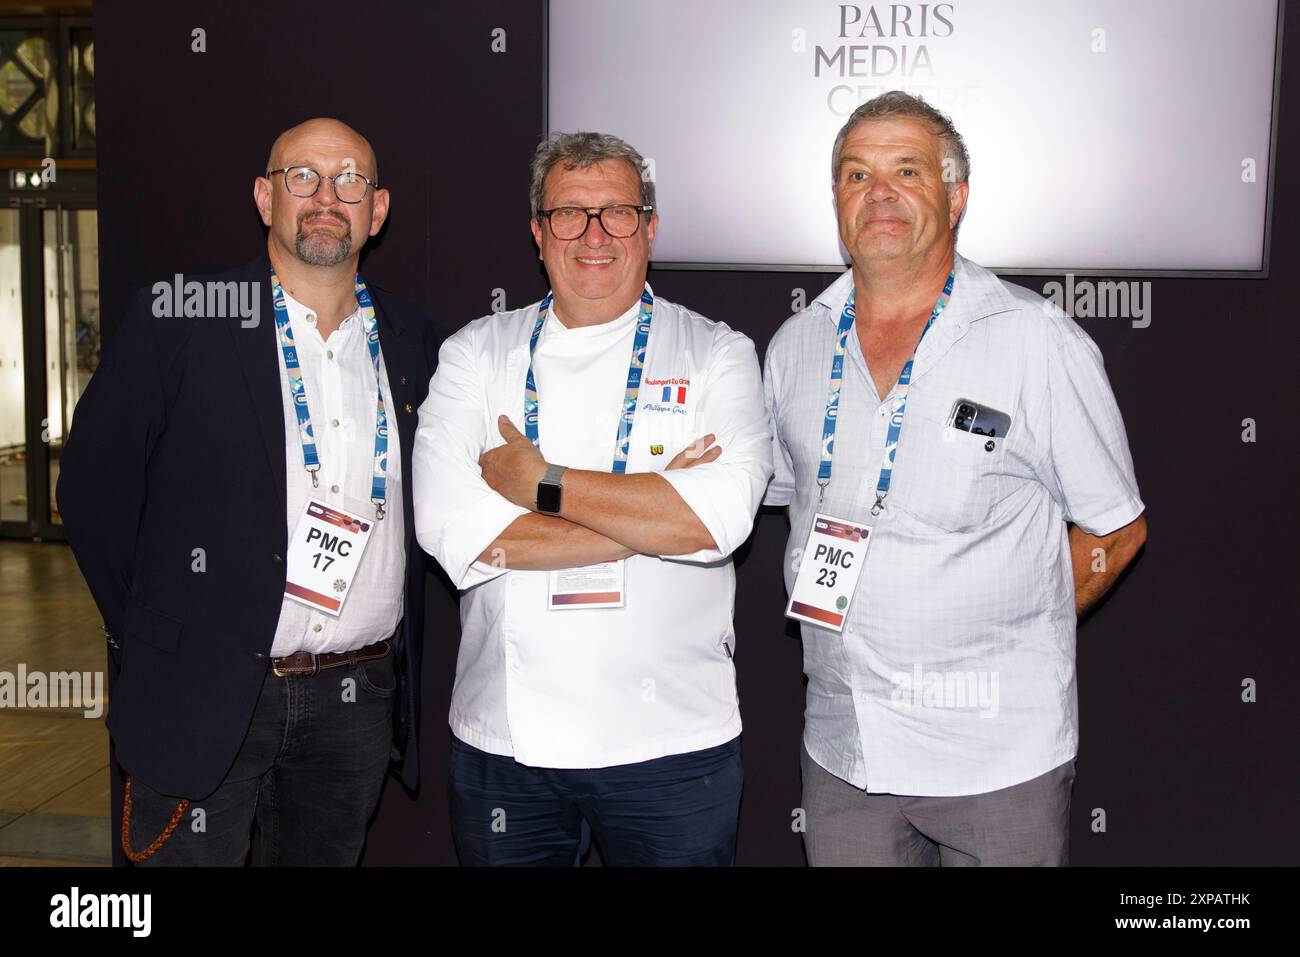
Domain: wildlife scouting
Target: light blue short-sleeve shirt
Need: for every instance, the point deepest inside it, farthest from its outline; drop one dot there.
(955, 670)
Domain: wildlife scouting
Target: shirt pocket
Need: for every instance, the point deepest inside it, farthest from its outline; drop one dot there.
(948, 479)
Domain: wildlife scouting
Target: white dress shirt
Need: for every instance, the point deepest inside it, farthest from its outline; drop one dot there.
(340, 383)
(955, 671)
(588, 688)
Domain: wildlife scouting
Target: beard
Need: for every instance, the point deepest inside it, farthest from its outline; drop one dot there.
(321, 249)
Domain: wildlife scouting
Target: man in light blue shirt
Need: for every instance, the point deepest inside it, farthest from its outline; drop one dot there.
(941, 723)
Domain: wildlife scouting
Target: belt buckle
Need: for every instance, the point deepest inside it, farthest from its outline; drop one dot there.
(315, 669)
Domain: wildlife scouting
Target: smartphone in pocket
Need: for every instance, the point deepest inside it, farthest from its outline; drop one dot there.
(968, 416)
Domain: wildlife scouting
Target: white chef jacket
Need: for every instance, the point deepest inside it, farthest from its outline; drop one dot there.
(587, 688)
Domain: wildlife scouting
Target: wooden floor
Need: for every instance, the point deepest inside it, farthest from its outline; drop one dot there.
(54, 775)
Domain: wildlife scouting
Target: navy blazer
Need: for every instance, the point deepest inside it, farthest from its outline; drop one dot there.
(178, 444)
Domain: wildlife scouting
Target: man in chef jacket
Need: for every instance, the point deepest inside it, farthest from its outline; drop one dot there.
(584, 468)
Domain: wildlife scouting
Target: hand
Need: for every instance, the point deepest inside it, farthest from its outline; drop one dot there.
(514, 469)
(697, 453)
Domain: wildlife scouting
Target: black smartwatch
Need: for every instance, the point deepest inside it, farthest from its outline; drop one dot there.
(549, 489)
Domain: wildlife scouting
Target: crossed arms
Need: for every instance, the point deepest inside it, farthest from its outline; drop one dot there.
(475, 497)
(604, 517)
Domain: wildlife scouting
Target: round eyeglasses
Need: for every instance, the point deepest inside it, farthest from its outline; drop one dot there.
(620, 220)
(303, 181)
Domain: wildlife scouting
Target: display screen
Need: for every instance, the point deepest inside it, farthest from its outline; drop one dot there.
(1106, 135)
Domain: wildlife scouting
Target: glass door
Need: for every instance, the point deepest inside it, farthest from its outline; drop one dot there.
(49, 348)
(71, 273)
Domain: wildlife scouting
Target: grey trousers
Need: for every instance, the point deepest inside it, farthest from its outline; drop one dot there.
(1024, 825)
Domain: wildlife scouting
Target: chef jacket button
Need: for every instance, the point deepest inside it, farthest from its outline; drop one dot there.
(277, 559)
(409, 408)
(405, 380)
(259, 656)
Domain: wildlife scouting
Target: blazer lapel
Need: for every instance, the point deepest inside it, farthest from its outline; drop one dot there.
(397, 366)
(257, 350)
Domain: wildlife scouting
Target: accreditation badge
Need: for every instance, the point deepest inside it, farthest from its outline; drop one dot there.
(590, 586)
(324, 554)
(828, 571)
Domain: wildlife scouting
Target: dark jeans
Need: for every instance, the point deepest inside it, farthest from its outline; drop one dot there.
(309, 772)
(679, 810)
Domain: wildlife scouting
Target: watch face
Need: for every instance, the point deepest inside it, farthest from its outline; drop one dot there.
(548, 498)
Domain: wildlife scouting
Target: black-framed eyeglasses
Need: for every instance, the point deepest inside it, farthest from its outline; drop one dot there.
(303, 181)
(620, 220)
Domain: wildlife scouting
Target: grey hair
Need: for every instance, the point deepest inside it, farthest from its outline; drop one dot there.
(897, 103)
(580, 150)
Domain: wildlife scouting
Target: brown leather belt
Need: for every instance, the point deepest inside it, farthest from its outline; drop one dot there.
(306, 663)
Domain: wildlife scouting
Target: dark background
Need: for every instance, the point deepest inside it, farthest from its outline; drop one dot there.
(1185, 771)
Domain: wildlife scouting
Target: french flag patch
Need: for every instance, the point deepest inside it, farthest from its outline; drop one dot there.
(674, 394)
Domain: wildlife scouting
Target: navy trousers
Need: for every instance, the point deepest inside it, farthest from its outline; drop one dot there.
(678, 810)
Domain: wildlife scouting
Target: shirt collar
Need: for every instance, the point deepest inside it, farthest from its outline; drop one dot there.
(298, 313)
(976, 294)
(834, 296)
(554, 318)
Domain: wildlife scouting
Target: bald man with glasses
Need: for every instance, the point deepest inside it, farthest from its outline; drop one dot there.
(234, 490)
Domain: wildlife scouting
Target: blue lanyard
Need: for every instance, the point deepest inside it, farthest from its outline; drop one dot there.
(623, 438)
(311, 461)
(900, 407)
